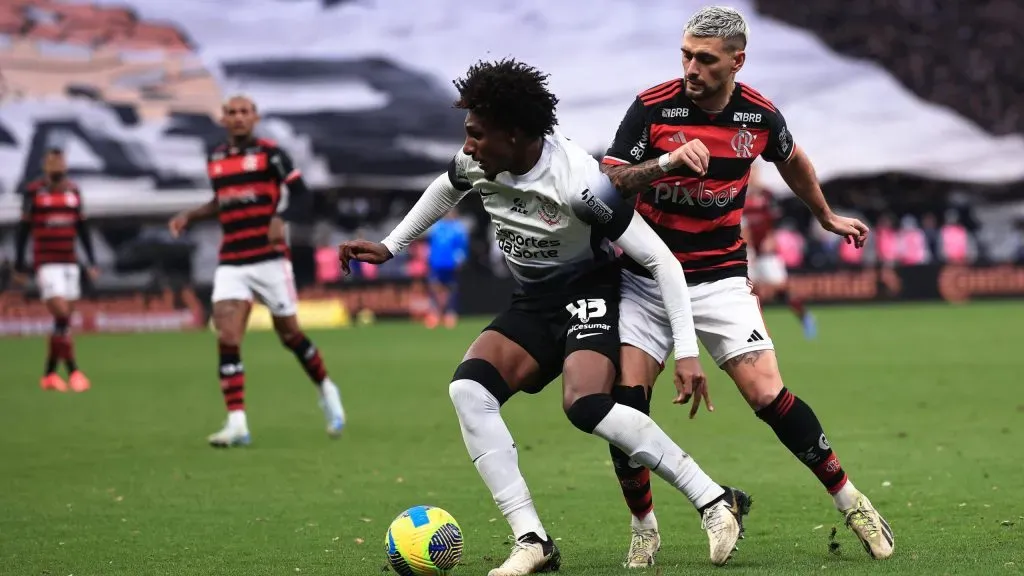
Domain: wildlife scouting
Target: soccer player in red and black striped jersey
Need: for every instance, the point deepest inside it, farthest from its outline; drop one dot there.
(685, 148)
(767, 268)
(51, 215)
(247, 174)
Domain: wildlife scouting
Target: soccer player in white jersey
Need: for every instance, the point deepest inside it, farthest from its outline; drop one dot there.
(685, 148)
(554, 214)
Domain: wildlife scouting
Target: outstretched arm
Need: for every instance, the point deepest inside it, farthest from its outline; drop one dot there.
(182, 220)
(440, 197)
(643, 245)
(601, 206)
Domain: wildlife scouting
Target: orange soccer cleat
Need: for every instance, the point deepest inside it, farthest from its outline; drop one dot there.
(78, 381)
(53, 381)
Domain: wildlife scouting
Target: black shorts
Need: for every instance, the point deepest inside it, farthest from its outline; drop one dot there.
(552, 325)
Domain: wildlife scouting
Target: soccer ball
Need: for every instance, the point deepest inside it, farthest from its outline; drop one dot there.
(424, 541)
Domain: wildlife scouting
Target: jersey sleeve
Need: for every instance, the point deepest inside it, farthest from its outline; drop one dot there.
(457, 172)
(598, 203)
(631, 138)
(780, 140)
(27, 202)
(283, 166)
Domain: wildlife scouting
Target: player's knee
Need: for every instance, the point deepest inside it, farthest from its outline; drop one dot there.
(635, 397)
(587, 412)
(229, 336)
(477, 380)
(761, 389)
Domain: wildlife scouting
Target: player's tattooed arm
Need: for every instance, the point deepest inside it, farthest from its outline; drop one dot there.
(630, 179)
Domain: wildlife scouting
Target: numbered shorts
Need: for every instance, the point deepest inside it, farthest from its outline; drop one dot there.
(270, 281)
(552, 326)
(59, 281)
(768, 269)
(726, 315)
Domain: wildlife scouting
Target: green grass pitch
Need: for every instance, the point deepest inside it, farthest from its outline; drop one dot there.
(924, 405)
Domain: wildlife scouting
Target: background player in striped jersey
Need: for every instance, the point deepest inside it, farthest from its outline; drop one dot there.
(247, 173)
(767, 268)
(685, 148)
(52, 215)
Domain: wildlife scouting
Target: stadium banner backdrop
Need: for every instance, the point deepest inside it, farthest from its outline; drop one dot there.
(357, 303)
(22, 314)
(132, 90)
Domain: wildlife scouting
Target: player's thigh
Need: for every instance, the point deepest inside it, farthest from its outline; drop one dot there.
(592, 343)
(231, 298)
(769, 270)
(644, 331)
(756, 374)
(727, 317)
(59, 285)
(274, 284)
(514, 345)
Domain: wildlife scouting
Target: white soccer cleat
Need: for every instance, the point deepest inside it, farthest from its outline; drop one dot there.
(869, 526)
(230, 435)
(723, 523)
(530, 556)
(642, 548)
(330, 403)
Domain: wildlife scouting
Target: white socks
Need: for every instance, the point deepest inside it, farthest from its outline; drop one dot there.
(236, 419)
(846, 498)
(636, 434)
(648, 522)
(493, 451)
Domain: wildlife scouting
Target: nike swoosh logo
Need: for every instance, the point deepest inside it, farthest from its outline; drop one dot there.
(581, 336)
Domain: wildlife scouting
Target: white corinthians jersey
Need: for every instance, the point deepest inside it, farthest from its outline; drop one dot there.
(552, 223)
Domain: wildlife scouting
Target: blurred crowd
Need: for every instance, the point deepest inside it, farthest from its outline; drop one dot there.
(964, 54)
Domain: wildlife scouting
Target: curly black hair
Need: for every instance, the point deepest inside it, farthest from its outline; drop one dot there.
(509, 95)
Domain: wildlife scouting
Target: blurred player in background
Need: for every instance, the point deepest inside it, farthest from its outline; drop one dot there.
(247, 173)
(449, 242)
(685, 148)
(52, 215)
(767, 268)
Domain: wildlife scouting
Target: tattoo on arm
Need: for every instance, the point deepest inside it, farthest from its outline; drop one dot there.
(750, 358)
(633, 179)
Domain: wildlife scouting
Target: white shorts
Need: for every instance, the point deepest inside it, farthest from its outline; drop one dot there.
(59, 281)
(726, 315)
(270, 281)
(768, 269)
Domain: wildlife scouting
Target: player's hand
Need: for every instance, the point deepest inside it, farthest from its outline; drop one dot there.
(362, 251)
(278, 230)
(93, 272)
(177, 224)
(851, 229)
(694, 155)
(19, 279)
(691, 382)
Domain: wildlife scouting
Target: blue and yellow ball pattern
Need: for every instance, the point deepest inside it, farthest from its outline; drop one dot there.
(424, 541)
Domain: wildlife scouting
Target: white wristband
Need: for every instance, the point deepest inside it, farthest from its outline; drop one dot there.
(665, 162)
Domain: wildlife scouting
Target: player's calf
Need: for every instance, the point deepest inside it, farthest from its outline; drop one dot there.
(309, 357)
(477, 391)
(229, 319)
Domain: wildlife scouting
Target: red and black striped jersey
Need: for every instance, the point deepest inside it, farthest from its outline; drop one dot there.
(759, 215)
(247, 182)
(699, 217)
(53, 213)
